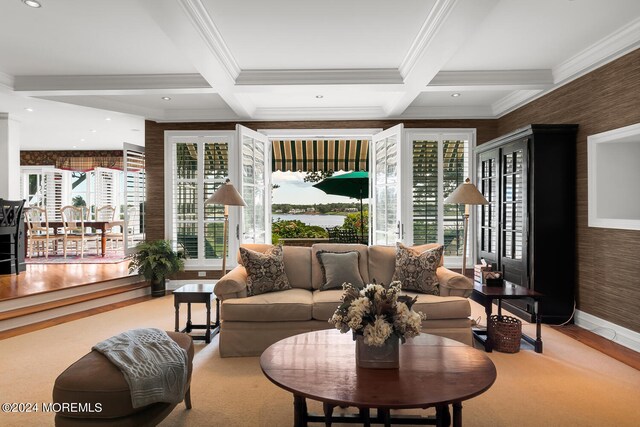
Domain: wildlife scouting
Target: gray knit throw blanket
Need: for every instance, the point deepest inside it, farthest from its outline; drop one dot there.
(152, 363)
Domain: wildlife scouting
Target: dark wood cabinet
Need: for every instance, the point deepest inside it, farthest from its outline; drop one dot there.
(527, 230)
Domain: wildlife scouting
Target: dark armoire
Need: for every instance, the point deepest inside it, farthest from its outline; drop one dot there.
(527, 230)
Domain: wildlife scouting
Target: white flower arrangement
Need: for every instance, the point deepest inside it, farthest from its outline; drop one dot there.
(377, 313)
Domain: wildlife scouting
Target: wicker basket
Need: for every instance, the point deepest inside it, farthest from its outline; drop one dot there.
(505, 332)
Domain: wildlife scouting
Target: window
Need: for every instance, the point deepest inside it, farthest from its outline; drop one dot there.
(439, 162)
(199, 164)
(44, 186)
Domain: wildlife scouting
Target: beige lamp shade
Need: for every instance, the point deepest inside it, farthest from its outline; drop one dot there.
(467, 194)
(226, 195)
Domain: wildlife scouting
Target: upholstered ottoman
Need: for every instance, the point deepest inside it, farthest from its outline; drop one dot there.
(93, 379)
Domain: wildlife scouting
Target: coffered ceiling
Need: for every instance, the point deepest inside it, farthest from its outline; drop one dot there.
(293, 60)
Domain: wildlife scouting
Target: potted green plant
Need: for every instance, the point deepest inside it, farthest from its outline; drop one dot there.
(155, 261)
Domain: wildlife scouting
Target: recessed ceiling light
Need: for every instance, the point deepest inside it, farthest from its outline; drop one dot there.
(75, 146)
(166, 98)
(81, 139)
(455, 95)
(108, 119)
(32, 3)
(319, 96)
(29, 109)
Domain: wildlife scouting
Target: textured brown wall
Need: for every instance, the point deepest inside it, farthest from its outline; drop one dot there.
(608, 270)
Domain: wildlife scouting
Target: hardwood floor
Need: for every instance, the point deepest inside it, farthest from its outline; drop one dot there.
(40, 278)
(608, 347)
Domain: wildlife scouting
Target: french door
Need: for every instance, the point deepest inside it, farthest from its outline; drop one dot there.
(255, 186)
(385, 187)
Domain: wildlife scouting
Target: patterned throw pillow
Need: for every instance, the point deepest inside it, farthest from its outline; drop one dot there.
(417, 270)
(265, 270)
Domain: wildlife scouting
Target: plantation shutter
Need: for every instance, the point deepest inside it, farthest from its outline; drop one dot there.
(425, 191)
(440, 165)
(386, 218)
(106, 192)
(255, 186)
(54, 190)
(134, 196)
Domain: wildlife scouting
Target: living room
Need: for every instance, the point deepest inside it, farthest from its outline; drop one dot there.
(488, 68)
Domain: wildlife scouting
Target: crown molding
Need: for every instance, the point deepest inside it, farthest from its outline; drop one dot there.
(512, 101)
(196, 115)
(452, 112)
(429, 28)
(319, 77)
(605, 50)
(328, 113)
(202, 21)
(492, 78)
(6, 80)
(121, 82)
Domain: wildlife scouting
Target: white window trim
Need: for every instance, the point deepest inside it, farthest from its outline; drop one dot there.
(413, 134)
(319, 133)
(170, 137)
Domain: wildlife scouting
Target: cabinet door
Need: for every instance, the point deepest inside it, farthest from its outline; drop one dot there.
(488, 184)
(513, 212)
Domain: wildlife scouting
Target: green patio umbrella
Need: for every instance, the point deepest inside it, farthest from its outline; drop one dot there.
(352, 184)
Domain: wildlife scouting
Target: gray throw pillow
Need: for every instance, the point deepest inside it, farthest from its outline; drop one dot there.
(417, 270)
(265, 271)
(338, 268)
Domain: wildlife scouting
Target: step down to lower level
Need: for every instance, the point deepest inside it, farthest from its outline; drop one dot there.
(41, 309)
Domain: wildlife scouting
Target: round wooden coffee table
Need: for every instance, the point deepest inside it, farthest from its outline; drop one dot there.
(434, 372)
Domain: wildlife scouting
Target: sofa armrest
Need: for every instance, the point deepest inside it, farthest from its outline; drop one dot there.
(453, 284)
(232, 285)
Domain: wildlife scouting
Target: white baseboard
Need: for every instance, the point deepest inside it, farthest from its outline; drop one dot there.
(604, 328)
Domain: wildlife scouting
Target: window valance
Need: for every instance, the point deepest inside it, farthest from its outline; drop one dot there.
(86, 164)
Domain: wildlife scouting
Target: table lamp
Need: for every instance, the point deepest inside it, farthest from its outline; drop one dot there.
(226, 195)
(466, 194)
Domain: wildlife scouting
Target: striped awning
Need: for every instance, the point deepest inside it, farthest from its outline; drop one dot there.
(320, 155)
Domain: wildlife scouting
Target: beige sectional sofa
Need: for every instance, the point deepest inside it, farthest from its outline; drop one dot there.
(251, 324)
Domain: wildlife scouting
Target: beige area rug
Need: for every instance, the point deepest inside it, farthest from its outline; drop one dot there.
(569, 385)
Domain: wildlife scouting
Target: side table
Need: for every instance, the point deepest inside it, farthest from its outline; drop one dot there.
(486, 294)
(197, 293)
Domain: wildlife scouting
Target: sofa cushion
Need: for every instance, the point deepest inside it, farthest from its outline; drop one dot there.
(382, 261)
(338, 268)
(281, 306)
(316, 270)
(325, 303)
(265, 271)
(438, 308)
(297, 263)
(417, 270)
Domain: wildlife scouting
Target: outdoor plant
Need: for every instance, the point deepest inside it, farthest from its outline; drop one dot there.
(155, 261)
(353, 221)
(377, 313)
(295, 229)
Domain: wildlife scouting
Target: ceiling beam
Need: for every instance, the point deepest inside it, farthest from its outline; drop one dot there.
(449, 24)
(121, 84)
(188, 24)
(490, 80)
(319, 77)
